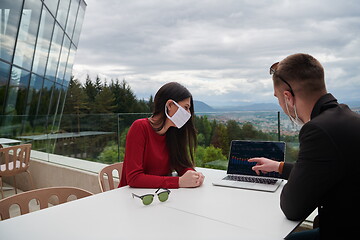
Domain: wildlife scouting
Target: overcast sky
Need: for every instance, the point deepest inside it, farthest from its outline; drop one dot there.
(220, 50)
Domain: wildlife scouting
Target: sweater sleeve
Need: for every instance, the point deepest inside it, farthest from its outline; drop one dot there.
(183, 171)
(135, 171)
(287, 167)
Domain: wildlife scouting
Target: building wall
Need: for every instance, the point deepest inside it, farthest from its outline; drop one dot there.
(38, 42)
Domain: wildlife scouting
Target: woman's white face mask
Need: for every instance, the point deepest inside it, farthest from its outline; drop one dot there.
(296, 120)
(180, 117)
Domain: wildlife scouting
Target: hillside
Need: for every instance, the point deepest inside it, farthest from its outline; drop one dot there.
(202, 107)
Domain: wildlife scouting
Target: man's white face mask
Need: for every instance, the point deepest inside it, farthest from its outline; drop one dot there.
(180, 117)
(296, 120)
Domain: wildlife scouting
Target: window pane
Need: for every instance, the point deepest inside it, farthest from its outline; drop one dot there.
(69, 65)
(4, 78)
(62, 100)
(43, 43)
(71, 18)
(45, 97)
(54, 52)
(36, 83)
(15, 104)
(52, 5)
(63, 60)
(79, 23)
(27, 34)
(10, 12)
(33, 98)
(60, 106)
(63, 12)
(55, 99)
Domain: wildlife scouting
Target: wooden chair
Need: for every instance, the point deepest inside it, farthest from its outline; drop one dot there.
(15, 160)
(42, 196)
(106, 175)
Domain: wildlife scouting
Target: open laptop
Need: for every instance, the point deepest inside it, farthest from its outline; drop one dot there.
(240, 173)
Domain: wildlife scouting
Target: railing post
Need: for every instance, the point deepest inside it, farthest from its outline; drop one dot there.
(118, 136)
(279, 134)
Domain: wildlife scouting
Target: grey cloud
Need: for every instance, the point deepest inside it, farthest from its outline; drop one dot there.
(211, 42)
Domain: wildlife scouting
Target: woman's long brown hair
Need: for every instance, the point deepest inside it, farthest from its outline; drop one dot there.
(181, 142)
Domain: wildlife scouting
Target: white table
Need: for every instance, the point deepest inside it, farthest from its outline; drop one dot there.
(207, 212)
(8, 141)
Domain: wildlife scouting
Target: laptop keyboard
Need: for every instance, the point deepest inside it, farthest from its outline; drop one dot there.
(250, 179)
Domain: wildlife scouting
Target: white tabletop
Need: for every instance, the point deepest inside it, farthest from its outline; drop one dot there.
(8, 141)
(207, 212)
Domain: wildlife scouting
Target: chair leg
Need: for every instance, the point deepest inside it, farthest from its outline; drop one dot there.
(1, 186)
(32, 184)
(31, 180)
(15, 188)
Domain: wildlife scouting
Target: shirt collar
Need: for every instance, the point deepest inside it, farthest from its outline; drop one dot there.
(325, 102)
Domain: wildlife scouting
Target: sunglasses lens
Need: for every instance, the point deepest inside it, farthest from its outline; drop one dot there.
(147, 199)
(273, 68)
(163, 196)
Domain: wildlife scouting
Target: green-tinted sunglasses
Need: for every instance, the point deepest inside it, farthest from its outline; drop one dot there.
(147, 199)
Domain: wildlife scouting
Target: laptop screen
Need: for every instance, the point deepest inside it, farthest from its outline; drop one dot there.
(241, 151)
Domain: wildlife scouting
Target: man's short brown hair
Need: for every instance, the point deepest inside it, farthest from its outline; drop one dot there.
(303, 72)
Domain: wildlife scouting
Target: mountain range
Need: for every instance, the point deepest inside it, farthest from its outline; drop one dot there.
(203, 107)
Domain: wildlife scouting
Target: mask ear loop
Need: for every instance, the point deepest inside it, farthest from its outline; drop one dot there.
(296, 116)
(288, 112)
(167, 115)
(167, 108)
(296, 120)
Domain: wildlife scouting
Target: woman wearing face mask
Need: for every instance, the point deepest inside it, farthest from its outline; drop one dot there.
(164, 142)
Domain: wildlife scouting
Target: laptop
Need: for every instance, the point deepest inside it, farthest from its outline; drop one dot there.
(240, 173)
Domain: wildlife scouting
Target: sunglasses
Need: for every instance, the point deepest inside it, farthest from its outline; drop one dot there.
(147, 199)
(273, 71)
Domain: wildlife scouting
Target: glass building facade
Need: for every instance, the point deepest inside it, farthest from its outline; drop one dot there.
(38, 42)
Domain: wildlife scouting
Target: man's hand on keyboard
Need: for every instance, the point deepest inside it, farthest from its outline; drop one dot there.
(264, 165)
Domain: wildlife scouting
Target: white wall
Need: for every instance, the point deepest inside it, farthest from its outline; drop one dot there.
(49, 174)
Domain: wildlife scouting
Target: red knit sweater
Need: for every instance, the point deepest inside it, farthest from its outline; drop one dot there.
(146, 162)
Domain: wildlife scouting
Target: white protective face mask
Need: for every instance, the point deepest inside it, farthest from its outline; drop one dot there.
(180, 117)
(297, 121)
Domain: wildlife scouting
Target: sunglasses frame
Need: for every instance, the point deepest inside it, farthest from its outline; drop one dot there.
(152, 195)
(273, 72)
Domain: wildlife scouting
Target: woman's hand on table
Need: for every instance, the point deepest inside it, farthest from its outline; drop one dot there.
(191, 179)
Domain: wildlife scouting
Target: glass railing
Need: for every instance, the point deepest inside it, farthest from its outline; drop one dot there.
(101, 137)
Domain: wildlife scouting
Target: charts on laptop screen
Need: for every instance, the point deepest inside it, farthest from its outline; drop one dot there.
(241, 151)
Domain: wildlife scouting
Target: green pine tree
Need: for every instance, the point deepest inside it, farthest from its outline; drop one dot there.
(220, 138)
(76, 100)
(104, 101)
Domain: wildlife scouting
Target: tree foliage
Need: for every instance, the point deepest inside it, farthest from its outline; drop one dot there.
(214, 137)
(76, 99)
(99, 97)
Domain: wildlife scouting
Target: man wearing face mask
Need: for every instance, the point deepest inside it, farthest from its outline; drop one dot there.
(329, 138)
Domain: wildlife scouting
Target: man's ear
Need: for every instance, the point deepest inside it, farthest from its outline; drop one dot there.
(289, 97)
